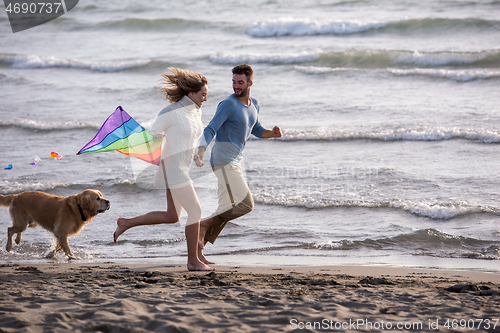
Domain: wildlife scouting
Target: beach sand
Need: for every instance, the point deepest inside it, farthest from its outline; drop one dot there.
(108, 297)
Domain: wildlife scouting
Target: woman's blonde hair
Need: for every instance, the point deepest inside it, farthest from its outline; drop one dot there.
(181, 82)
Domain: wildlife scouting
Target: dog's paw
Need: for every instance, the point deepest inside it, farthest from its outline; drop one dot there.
(8, 247)
(72, 257)
(51, 255)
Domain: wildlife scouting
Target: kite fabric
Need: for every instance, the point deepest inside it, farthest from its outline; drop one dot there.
(122, 133)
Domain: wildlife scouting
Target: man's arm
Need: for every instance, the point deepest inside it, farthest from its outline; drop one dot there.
(209, 132)
(274, 133)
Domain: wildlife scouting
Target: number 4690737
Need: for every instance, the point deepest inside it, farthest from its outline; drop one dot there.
(33, 8)
(486, 324)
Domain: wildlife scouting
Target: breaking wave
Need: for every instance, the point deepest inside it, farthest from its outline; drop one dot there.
(33, 61)
(408, 134)
(462, 75)
(462, 65)
(426, 241)
(436, 211)
(47, 126)
(20, 185)
(308, 27)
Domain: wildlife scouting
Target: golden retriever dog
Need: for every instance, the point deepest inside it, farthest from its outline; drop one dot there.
(63, 216)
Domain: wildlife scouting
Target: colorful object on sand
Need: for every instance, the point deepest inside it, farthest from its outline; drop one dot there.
(8, 167)
(122, 133)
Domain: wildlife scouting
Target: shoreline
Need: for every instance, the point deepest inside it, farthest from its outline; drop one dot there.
(275, 262)
(353, 270)
(110, 297)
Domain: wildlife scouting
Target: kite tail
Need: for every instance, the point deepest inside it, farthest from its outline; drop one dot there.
(6, 200)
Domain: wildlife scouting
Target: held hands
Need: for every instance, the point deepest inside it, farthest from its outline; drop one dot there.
(198, 158)
(158, 135)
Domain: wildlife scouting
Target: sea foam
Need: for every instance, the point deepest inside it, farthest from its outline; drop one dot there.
(409, 134)
(289, 26)
(462, 75)
(481, 64)
(306, 27)
(48, 126)
(432, 210)
(33, 61)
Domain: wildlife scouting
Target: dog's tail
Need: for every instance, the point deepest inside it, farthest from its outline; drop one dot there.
(5, 200)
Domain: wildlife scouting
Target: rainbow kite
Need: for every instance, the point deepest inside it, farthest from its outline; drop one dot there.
(122, 133)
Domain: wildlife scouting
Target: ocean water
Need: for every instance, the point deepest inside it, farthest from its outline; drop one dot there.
(390, 112)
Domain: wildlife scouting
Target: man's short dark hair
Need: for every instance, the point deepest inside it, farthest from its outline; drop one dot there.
(244, 69)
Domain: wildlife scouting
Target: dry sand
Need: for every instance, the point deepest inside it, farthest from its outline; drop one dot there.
(151, 298)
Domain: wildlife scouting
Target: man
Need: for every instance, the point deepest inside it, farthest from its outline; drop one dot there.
(236, 118)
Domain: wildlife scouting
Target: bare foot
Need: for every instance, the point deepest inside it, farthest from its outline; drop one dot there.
(120, 229)
(199, 266)
(202, 258)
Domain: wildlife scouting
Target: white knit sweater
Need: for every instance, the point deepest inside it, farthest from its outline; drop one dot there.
(182, 126)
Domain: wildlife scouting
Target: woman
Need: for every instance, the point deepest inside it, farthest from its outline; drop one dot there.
(180, 123)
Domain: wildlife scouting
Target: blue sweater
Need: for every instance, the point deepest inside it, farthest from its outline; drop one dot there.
(231, 125)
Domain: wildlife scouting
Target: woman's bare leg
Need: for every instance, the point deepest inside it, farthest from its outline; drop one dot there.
(194, 262)
(172, 215)
(186, 197)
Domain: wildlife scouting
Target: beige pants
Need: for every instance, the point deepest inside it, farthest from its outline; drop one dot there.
(235, 199)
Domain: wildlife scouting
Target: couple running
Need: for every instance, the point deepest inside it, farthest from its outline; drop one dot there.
(236, 118)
